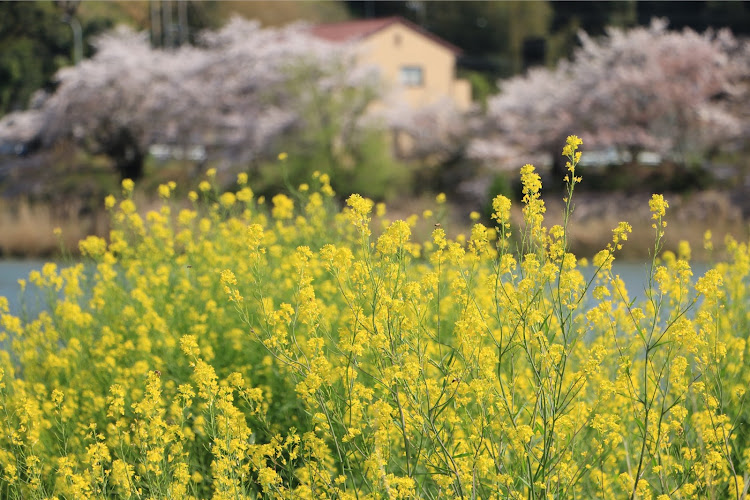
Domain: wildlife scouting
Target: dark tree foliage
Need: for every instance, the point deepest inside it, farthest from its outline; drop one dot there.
(699, 15)
(372, 8)
(34, 43)
(592, 17)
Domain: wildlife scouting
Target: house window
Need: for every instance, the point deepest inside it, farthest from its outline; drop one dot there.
(411, 76)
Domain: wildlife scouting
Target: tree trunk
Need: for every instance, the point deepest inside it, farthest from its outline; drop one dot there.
(130, 167)
(125, 151)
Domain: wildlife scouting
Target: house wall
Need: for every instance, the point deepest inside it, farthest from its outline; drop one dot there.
(397, 46)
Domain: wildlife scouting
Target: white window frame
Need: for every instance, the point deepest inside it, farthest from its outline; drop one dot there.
(411, 75)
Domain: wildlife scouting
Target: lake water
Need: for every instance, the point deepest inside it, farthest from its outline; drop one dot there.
(10, 272)
(634, 274)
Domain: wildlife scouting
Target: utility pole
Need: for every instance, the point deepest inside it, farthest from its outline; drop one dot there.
(69, 17)
(182, 21)
(156, 40)
(167, 23)
(75, 25)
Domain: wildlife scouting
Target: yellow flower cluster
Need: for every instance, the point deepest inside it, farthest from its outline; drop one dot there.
(238, 350)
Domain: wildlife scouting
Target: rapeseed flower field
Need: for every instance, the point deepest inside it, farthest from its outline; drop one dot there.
(245, 348)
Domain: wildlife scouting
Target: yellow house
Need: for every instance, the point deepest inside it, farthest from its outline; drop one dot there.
(417, 63)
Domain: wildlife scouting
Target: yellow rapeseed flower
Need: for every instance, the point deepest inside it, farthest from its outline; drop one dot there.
(127, 186)
(227, 199)
(658, 206)
(146, 372)
(571, 145)
(164, 191)
(283, 207)
(501, 208)
(189, 345)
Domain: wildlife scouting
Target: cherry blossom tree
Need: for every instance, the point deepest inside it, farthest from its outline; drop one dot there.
(433, 140)
(433, 133)
(645, 88)
(236, 93)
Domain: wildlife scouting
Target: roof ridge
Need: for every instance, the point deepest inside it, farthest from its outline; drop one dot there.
(356, 29)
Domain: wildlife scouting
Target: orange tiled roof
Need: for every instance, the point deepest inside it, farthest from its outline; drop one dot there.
(350, 31)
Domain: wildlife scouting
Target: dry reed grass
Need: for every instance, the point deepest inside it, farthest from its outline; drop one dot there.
(689, 217)
(28, 229)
